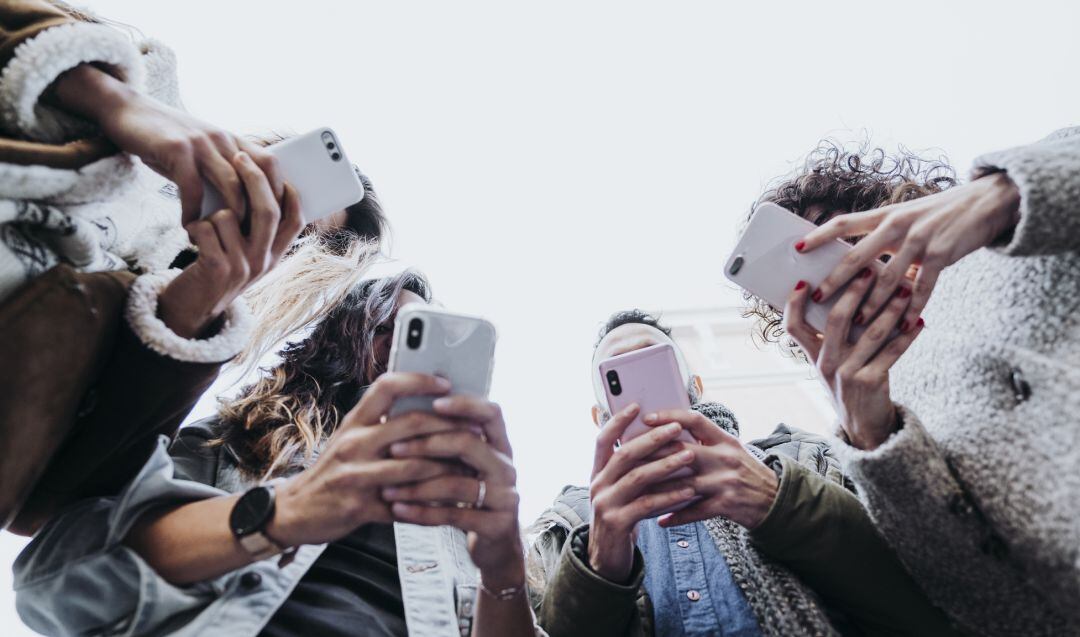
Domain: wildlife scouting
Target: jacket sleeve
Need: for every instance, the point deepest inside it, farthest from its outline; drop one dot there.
(577, 601)
(39, 41)
(935, 528)
(80, 556)
(1047, 173)
(820, 531)
(148, 385)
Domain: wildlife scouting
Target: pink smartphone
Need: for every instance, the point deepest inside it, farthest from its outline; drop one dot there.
(766, 263)
(651, 378)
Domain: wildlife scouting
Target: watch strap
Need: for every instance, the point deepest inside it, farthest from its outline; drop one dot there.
(259, 546)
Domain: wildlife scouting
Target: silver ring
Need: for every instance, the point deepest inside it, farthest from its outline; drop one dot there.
(481, 493)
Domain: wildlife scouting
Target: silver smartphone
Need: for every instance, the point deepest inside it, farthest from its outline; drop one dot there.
(434, 341)
(315, 165)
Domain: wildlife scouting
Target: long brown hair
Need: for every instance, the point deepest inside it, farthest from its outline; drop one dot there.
(284, 417)
(837, 180)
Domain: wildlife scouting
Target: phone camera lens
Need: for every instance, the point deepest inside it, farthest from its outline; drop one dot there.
(330, 146)
(335, 156)
(736, 265)
(416, 334)
(613, 382)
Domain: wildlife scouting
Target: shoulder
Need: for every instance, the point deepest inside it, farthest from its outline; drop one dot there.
(193, 455)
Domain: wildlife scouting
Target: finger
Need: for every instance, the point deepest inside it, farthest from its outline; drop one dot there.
(864, 254)
(609, 434)
(701, 428)
(459, 445)
(264, 210)
(211, 252)
(448, 491)
(648, 506)
(269, 165)
(292, 222)
(693, 513)
(396, 471)
(630, 454)
(921, 289)
(480, 411)
(892, 279)
(387, 389)
(487, 524)
(795, 321)
(639, 479)
(411, 425)
(219, 172)
(185, 175)
(844, 313)
(892, 352)
(232, 242)
(876, 334)
(842, 226)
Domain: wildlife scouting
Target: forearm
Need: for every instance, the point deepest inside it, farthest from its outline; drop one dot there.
(89, 92)
(190, 543)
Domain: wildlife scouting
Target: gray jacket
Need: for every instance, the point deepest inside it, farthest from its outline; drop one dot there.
(979, 492)
(78, 578)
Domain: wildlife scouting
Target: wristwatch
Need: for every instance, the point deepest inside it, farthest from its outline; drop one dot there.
(249, 517)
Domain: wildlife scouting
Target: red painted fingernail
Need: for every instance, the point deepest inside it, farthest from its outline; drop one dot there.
(859, 318)
(800, 285)
(799, 246)
(816, 296)
(905, 326)
(921, 323)
(904, 293)
(865, 273)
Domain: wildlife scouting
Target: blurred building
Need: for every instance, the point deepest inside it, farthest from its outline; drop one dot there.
(759, 384)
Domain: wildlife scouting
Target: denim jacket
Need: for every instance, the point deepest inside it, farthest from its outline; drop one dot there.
(78, 578)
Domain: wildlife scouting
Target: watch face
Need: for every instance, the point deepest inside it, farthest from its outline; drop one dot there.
(252, 511)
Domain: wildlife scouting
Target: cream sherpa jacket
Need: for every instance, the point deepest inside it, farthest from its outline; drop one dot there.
(979, 491)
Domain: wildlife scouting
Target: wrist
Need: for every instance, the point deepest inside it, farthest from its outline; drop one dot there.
(601, 560)
(508, 574)
(768, 487)
(284, 528)
(181, 306)
(1006, 197)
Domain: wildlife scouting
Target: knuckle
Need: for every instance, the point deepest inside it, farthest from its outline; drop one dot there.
(178, 146)
(875, 333)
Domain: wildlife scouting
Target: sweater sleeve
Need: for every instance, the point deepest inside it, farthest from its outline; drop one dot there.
(578, 602)
(1047, 174)
(40, 41)
(936, 529)
(822, 533)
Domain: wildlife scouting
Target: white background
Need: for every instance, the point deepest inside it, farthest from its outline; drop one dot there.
(546, 164)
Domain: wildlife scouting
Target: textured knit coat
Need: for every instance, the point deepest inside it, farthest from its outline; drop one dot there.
(979, 491)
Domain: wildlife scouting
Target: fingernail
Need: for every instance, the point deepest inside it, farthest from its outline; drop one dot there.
(904, 292)
(632, 407)
(441, 403)
(649, 418)
(800, 285)
(816, 296)
(799, 246)
(865, 273)
(859, 318)
(398, 448)
(671, 428)
(905, 326)
(686, 456)
(921, 323)
(442, 383)
(687, 493)
(389, 493)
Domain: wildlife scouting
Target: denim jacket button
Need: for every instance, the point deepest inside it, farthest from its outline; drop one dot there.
(693, 595)
(250, 580)
(1021, 388)
(683, 544)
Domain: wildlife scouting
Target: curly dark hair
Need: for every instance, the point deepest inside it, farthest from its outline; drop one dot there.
(297, 404)
(837, 180)
(625, 317)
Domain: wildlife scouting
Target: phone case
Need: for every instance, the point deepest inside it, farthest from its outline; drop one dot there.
(651, 378)
(766, 263)
(325, 185)
(457, 347)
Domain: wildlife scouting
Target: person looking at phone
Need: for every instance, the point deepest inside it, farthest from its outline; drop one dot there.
(769, 542)
(274, 517)
(108, 343)
(957, 425)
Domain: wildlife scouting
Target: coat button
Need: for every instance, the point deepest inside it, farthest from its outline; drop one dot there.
(250, 580)
(693, 595)
(1021, 388)
(683, 544)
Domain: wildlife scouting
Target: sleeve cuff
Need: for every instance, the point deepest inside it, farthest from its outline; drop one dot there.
(39, 61)
(141, 312)
(586, 581)
(775, 529)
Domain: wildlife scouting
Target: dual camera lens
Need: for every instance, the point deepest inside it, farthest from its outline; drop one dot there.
(613, 382)
(331, 146)
(416, 334)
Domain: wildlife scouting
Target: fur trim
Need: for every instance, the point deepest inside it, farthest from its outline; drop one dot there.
(39, 61)
(102, 180)
(142, 316)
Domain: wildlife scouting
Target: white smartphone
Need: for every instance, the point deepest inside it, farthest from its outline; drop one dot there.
(766, 264)
(431, 340)
(315, 165)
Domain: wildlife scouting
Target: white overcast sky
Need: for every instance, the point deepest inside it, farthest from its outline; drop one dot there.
(548, 163)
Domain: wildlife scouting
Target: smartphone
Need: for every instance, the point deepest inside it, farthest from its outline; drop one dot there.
(431, 340)
(651, 378)
(315, 165)
(766, 263)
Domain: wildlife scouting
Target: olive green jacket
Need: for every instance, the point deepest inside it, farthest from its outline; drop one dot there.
(816, 528)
